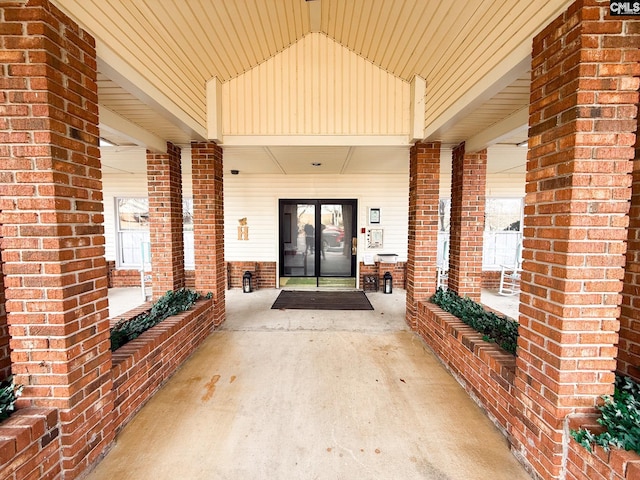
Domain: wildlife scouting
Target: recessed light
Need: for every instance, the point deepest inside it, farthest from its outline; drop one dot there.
(316, 164)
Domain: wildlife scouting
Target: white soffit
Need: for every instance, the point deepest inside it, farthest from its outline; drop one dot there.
(379, 160)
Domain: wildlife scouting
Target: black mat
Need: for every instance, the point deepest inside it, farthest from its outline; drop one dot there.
(303, 300)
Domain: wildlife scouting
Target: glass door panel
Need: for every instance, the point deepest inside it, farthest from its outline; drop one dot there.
(298, 239)
(336, 240)
(317, 242)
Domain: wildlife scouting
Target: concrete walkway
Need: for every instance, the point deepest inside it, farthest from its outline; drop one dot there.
(311, 395)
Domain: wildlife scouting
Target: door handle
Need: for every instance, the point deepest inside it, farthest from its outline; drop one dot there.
(354, 245)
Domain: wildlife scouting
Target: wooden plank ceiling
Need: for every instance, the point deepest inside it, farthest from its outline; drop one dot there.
(177, 45)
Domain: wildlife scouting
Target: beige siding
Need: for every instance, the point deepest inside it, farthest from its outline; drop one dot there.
(316, 87)
(256, 197)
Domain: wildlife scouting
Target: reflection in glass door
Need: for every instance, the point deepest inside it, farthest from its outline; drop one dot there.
(318, 243)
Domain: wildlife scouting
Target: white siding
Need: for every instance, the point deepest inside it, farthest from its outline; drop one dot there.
(256, 197)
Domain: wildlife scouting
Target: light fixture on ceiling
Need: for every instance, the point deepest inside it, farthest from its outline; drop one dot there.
(316, 164)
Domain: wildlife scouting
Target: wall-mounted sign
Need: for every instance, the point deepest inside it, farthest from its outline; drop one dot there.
(374, 215)
(374, 238)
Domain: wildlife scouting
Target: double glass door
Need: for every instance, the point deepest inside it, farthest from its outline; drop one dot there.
(318, 242)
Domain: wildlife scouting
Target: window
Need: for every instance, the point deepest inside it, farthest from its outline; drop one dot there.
(502, 232)
(187, 234)
(502, 235)
(132, 218)
(132, 230)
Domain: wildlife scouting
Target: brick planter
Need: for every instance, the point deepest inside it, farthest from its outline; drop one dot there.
(487, 373)
(30, 445)
(485, 370)
(141, 366)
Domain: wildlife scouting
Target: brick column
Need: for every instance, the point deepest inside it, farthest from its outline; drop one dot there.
(468, 187)
(164, 180)
(629, 344)
(208, 223)
(5, 351)
(51, 225)
(424, 181)
(582, 124)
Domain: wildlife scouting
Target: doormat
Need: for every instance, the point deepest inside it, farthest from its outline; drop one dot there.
(302, 300)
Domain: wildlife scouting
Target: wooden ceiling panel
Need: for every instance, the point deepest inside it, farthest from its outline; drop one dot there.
(177, 45)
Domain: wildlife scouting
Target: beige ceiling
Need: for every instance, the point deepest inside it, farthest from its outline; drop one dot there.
(156, 56)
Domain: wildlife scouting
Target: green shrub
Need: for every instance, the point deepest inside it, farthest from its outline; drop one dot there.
(494, 328)
(171, 303)
(620, 416)
(8, 396)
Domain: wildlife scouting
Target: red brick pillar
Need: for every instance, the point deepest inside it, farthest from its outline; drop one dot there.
(51, 225)
(208, 223)
(5, 352)
(629, 344)
(468, 187)
(424, 181)
(582, 124)
(164, 180)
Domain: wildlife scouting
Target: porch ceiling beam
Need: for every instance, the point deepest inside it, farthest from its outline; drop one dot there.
(127, 77)
(514, 124)
(316, 140)
(514, 66)
(112, 122)
(315, 15)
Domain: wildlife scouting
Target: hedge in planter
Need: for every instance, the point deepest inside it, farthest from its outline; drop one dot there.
(494, 328)
(620, 416)
(9, 392)
(171, 303)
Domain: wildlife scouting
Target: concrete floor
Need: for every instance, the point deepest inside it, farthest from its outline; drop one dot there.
(311, 395)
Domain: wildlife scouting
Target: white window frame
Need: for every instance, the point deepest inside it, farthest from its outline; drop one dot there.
(144, 236)
(492, 259)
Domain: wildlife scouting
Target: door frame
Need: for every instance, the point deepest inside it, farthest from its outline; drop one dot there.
(317, 202)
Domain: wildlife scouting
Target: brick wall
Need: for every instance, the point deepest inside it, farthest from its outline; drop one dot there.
(263, 274)
(485, 370)
(582, 124)
(117, 278)
(615, 464)
(30, 445)
(51, 224)
(629, 344)
(164, 179)
(422, 248)
(487, 373)
(208, 223)
(397, 271)
(491, 279)
(141, 366)
(190, 279)
(468, 186)
(5, 352)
